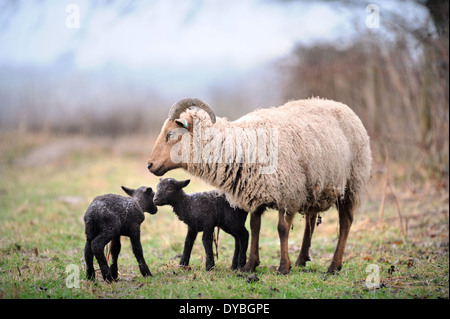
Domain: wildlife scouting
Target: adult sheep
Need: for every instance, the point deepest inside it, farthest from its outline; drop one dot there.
(304, 156)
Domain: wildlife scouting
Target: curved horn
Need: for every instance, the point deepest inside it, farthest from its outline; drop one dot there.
(186, 102)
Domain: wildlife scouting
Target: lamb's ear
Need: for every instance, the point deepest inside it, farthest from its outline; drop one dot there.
(183, 184)
(148, 190)
(127, 190)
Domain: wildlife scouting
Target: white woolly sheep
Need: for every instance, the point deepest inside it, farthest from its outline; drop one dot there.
(304, 156)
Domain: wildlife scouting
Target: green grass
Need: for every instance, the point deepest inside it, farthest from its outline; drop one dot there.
(42, 233)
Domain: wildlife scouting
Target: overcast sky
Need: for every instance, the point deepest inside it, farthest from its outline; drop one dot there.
(174, 39)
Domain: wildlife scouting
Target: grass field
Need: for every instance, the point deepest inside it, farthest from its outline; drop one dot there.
(47, 183)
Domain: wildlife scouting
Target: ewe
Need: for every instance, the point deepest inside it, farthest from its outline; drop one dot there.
(304, 156)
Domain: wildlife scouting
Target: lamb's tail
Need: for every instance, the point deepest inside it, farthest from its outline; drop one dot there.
(89, 227)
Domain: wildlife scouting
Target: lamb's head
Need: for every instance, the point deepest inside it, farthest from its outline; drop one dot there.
(167, 190)
(174, 127)
(144, 197)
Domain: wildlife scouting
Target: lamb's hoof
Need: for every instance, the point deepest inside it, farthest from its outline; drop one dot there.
(90, 275)
(108, 278)
(185, 267)
(210, 268)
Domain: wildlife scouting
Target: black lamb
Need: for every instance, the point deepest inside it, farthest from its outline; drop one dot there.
(107, 218)
(202, 212)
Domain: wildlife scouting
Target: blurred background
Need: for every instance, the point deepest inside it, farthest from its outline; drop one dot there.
(113, 68)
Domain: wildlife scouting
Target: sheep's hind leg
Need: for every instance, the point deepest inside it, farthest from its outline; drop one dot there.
(310, 223)
(253, 258)
(98, 247)
(345, 208)
(115, 250)
(89, 259)
(284, 225)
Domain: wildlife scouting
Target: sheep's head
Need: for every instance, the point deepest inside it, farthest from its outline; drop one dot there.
(174, 127)
(167, 190)
(144, 196)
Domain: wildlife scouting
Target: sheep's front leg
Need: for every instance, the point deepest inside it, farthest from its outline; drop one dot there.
(135, 238)
(284, 225)
(188, 243)
(207, 240)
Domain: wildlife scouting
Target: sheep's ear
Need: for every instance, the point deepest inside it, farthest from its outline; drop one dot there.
(183, 184)
(127, 190)
(148, 190)
(184, 123)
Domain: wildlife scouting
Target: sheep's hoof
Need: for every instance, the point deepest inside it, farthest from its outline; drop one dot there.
(301, 261)
(283, 270)
(250, 266)
(334, 269)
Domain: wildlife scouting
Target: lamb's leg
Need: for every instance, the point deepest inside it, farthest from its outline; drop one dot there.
(345, 208)
(98, 247)
(115, 250)
(137, 250)
(284, 225)
(188, 243)
(237, 244)
(89, 259)
(310, 223)
(253, 258)
(207, 240)
(243, 239)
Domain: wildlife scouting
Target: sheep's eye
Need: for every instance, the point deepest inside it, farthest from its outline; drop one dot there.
(169, 136)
